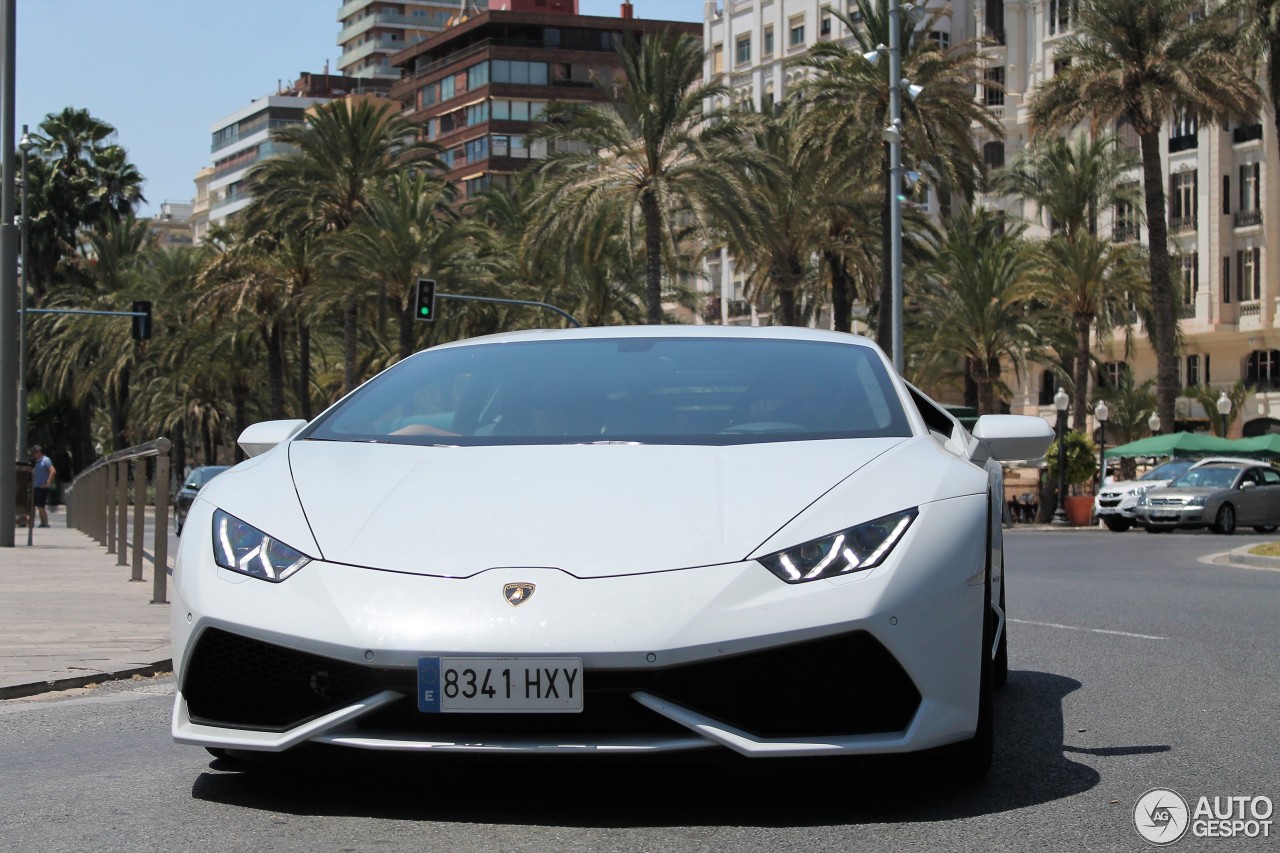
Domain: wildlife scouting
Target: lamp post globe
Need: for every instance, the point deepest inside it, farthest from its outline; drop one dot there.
(1153, 423)
(1224, 409)
(1060, 402)
(1101, 413)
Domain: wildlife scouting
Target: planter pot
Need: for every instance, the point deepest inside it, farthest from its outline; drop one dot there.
(1079, 509)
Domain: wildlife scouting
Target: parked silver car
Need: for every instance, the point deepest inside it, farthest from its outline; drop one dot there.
(1220, 496)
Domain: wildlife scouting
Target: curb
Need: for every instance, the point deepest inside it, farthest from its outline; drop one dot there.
(17, 691)
(1241, 557)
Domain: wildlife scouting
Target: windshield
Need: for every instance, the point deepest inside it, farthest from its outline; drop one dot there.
(648, 390)
(1168, 470)
(1207, 478)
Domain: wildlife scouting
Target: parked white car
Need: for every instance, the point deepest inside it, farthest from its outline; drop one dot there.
(1116, 505)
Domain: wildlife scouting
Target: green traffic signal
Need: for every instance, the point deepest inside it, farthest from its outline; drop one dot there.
(426, 301)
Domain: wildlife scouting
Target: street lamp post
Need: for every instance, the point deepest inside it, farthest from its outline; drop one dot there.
(1153, 423)
(1060, 402)
(1224, 409)
(1101, 413)
(25, 144)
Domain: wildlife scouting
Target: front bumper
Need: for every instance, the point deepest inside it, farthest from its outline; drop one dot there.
(1171, 516)
(718, 656)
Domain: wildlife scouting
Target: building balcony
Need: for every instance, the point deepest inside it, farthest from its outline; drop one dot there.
(1125, 233)
(1182, 224)
(382, 19)
(1252, 308)
(1183, 143)
(1248, 133)
(1245, 218)
(1186, 310)
(485, 44)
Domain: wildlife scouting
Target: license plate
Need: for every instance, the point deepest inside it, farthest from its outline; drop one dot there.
(1164, 513)
(499, 685)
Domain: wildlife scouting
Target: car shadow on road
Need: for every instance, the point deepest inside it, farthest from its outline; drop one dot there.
(1031, 767)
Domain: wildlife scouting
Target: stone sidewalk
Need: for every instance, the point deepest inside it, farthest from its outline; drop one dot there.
(69, 616)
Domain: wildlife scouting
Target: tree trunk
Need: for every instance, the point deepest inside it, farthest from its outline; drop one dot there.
(119, 413)
(1081, 374)
(786, 303)
(275, 371)
(884, 320)
(841, 293)
(1164, 322)
(349, 316)
(179, 455)
(304, 368)
(970, 385)
(210, 447)
(406, 319)
(653, 257)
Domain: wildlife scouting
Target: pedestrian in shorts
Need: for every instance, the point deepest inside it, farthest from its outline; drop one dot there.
(42, 481)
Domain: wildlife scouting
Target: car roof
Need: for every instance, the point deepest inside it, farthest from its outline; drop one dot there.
(1228, 460)
(791, 333)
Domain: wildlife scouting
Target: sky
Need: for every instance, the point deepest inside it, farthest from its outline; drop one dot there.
(162, 71)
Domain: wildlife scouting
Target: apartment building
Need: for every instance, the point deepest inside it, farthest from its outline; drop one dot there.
(1219, 183)
(242, 139)
(749, 45)
(372, 31)
(171, 225)
(481, 86)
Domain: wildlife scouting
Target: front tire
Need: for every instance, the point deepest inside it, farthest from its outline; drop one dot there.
(971, 759)
(1116, 525)
(1225, 522)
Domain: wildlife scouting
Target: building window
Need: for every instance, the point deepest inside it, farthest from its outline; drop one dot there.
(1193, 370)
(1126, 135)
(1182, 135)
(993, 155)
(1249, 274)
(1182, 201)
(1226, 194)
(1251, 187)
(993, 86)
(1060, 65)
(717, 59)
(941, 38)
(1112, 373)
(824, 26)
(742, 54)
(1048, 387)
(1059, 16)
(516, 71)
(1226, 280)
(477, 75)
(796, 37)
(1125, 223)
(768, 42)
(1189, 267)
(1263, 369)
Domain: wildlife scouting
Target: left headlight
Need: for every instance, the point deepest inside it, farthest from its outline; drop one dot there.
(245, 549)
(855, 549)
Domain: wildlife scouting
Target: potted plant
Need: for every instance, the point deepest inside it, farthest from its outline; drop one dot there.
(1082, 464)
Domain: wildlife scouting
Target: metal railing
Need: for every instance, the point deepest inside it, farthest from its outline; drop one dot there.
(98, 503)
(1245, 218)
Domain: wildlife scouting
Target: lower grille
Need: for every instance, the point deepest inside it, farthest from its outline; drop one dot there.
(840, 685)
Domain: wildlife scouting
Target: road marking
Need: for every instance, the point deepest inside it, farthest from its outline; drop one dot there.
(1090, 630)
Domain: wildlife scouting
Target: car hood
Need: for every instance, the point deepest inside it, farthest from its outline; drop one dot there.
(1125, 485)
(590, 510)
(1184, 493)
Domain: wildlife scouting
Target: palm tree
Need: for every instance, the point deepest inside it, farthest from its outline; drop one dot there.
(1094, 283)
(410, 231)
(784, 227)
(974, 297)
(1146, 60)
(1207, 397)
(849, 101)
(1072, 180)
(342, 155)
(652, 149)
(1262, 43)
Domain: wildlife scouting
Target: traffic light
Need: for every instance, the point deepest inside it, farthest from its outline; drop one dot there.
(141, 324)
(425, 308)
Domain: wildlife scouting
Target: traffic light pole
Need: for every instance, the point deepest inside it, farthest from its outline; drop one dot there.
(560, 311)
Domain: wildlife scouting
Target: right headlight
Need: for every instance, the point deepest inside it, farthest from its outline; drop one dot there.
(244, 548)
(854, 549)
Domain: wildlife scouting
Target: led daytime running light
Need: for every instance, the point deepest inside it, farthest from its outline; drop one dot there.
(852, 550)
(242, 548)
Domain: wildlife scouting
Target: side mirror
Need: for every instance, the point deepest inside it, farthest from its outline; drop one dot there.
(1010, 438)
(1248, 484)
(261, 437)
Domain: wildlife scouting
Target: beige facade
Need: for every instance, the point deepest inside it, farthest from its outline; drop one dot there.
(171, 225)
(371, 31)
(1221, 183)
(1224, 227)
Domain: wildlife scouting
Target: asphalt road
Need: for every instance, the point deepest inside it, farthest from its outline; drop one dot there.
(1134, 666)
